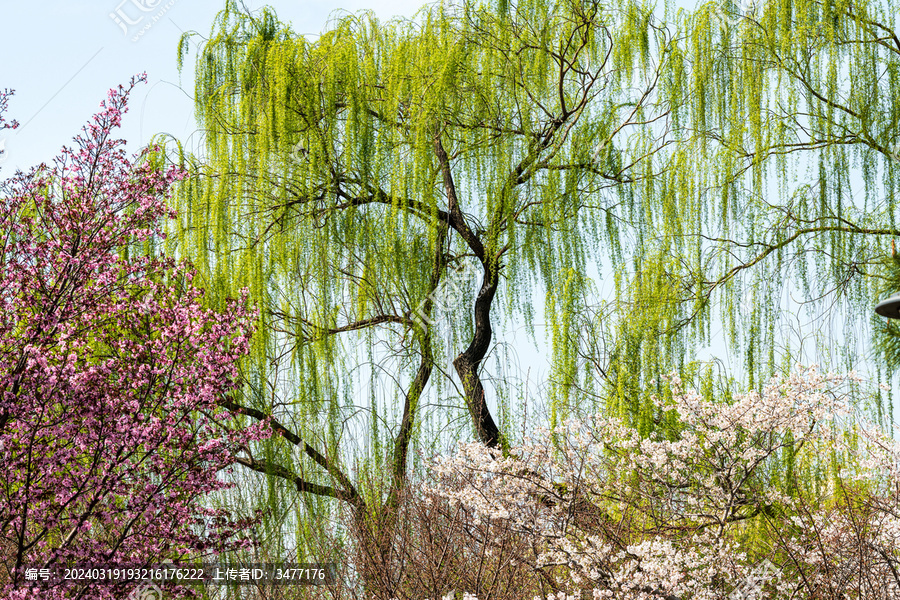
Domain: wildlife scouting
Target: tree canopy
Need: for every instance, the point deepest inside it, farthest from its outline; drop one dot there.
(794, 129)
(110, 373)
(345, 180)
(357, 183)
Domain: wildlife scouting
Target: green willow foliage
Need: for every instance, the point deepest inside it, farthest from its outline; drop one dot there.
(345, 179)
(792, 128)
(714, 164)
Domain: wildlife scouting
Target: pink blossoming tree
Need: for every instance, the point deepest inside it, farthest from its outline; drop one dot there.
(110, 372)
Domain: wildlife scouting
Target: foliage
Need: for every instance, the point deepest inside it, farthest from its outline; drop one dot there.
(110, 372)
(346, 180)
(790, 164)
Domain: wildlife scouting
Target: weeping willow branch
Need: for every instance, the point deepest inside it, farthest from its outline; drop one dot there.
(348, 493)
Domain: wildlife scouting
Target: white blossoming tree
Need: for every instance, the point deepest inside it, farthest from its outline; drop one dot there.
(710, 511)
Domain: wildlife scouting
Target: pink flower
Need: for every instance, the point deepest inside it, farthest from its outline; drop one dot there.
(106, 369)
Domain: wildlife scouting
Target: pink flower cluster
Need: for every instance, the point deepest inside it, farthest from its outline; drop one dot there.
(110, 372)
(4, 104)
(692, 513)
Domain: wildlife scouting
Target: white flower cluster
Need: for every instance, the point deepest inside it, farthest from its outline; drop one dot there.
(633, 517)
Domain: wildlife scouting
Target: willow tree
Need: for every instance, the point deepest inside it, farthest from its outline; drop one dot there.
(791, 154)
(346, 180)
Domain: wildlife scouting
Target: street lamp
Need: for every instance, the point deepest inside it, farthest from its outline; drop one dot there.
(889, 307)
